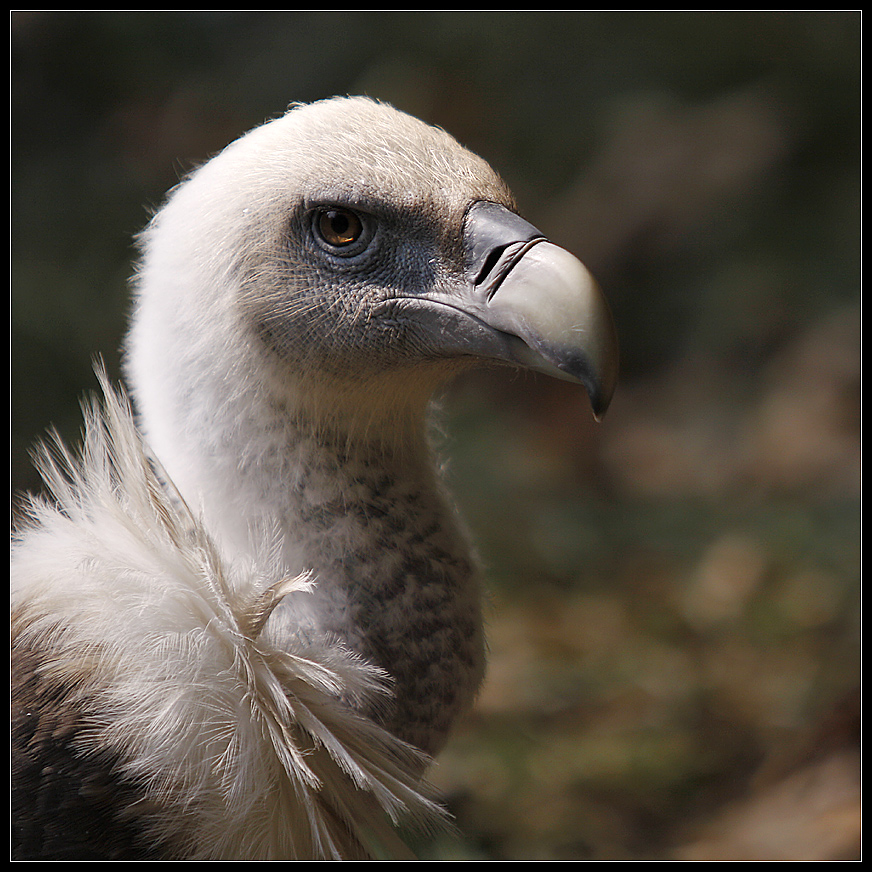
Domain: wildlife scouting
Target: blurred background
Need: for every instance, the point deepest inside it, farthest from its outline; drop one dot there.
(674, 593)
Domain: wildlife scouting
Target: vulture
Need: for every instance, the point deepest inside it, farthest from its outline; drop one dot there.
(247, 614)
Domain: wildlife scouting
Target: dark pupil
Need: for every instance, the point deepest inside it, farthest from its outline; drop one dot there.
(339, 223)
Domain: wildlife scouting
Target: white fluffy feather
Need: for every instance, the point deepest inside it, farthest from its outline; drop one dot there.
(162, 636)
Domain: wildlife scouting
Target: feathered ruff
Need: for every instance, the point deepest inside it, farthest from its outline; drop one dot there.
(243, 750)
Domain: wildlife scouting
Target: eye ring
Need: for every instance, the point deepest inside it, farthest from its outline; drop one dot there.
(340, 231)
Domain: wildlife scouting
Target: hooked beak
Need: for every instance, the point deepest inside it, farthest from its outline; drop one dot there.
(532, 303)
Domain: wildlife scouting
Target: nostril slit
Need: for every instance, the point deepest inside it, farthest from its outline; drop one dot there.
(500, 261)
(490, 262)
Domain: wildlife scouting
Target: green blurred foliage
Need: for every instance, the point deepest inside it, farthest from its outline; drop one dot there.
(675, 591)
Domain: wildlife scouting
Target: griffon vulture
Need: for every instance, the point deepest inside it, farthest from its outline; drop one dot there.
(248, 615)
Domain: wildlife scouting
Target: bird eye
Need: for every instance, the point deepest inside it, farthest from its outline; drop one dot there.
(338, 230)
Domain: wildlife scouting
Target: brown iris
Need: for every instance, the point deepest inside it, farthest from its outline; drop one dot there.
(339, 227)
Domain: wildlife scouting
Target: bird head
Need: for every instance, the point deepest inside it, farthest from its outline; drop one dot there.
(356, 247)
